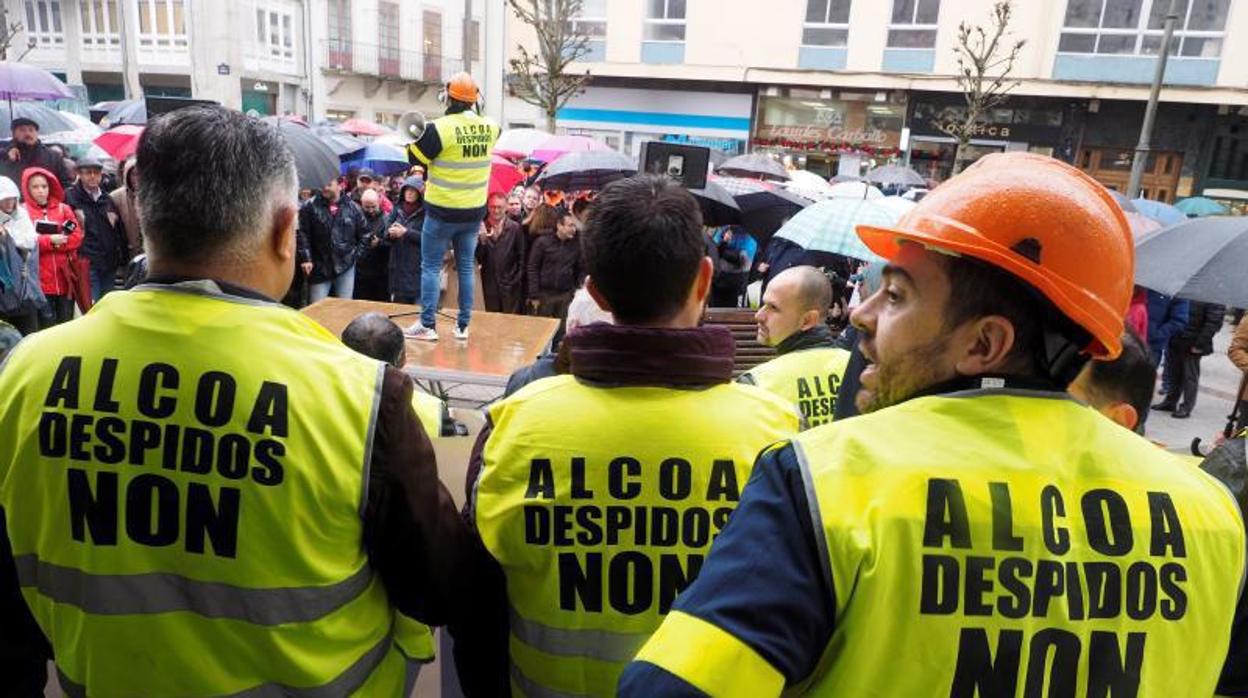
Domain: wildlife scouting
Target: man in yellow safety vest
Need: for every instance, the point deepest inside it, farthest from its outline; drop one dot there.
(204, 491)
(977, 532)
(810, 366)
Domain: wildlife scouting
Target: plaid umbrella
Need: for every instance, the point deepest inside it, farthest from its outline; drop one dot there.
(1199, 206)
(830, 226)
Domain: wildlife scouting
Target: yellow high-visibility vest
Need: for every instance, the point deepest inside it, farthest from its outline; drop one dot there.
(185, 515)
(459, 176)
(807, 378)
(600, 505)
(985, 544)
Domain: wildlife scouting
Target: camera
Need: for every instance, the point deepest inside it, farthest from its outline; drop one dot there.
(69, 226)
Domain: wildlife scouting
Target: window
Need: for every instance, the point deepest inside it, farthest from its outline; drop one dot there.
(1135, 27)
(591, 21)
(913, 24)
(474, 40)
(827, 23)
(388, 38)
(43, 22)
(275, 34)
(431, 23)
(665, 20)
(162, 23)
(100, 24)
(339, 43)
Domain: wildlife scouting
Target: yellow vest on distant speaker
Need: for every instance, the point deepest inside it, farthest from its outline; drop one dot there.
(985, 544)
(459, 176)
(807, 378)
(600, 504)
(185, 514)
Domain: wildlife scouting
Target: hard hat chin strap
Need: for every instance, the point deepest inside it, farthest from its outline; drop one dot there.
(1063, 357)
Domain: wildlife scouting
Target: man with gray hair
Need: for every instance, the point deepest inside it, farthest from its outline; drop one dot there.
(808, 368)
(205, 492)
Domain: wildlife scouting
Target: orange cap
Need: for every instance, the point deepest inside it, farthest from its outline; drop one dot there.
(553, 197)
(462, 88)
(1041, 220)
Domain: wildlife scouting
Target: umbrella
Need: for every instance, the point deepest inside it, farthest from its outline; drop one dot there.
(49, 119)
(120, 142)
(1123, 202)
(583, 171)
(504, 175)
(23, 81)
(808, 184)
(1164, 214)
(754, 165)
(765, 206)
(855, 190)
(127, 111)
(897, 205)
(830, 226)
(341, 143)
(1140, 224)
(360, 127)
(718, 206)
(315, 162)
(1201, 259)
(517, 143)
(895, 176)
(553, 147)
(380, 158)
(1199, 206)
(845, 178)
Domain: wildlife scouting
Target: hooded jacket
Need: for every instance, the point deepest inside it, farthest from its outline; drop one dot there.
(54, 260)
(332, 242)
(18, 223)
(127, 201)
(104, 235)
(405, 251)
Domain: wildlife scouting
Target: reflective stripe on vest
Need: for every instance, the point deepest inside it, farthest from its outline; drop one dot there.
(586, 491)
(807, 378)
(1013, 540)
(183, 476)
(459, 176)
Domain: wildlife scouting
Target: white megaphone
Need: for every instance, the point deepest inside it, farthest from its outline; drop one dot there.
(411, 126)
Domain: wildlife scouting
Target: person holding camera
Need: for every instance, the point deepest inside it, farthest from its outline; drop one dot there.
(59, 239)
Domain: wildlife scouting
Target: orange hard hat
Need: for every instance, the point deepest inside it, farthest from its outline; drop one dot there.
(462, 88)
(1042, 221)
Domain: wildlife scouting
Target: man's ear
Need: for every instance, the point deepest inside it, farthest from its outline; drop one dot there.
(282, 233)
(810, 319)
(1122, 414)
(702, 284)
(596, 294)
(983, 346)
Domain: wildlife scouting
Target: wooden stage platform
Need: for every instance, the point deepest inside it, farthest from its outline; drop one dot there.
(498, 345)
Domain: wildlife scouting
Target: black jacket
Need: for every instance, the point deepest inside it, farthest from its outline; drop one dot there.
(38, 156)
(374, 261)
(405, 252)
(1203, 322)
(554, 266)
(103, 236)
(332, 243)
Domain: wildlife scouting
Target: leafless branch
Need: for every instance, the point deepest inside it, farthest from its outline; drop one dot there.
(984, 65)
(542, 78)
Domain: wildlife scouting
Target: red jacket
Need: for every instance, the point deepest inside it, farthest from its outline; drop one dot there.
(54, 261)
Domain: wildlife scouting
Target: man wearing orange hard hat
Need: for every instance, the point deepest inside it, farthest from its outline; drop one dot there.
(977, 532)
(456, 149)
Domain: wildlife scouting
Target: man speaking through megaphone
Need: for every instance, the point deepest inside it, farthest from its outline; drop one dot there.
(456, 149)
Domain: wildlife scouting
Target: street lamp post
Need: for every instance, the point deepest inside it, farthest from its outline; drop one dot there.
(1150, 113)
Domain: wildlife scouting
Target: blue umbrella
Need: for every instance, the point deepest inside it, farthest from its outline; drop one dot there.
(380, 158)
(1199, 206)
(1164, 214)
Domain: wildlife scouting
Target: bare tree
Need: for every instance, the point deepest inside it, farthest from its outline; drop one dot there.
(540, 77)
(985, 59)
(8, 32)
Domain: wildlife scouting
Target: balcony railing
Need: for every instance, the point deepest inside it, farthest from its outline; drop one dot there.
(353, 58)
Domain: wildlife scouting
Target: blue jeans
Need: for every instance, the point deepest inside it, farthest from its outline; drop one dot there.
(435, 237)
(343, 286)
(102, 281)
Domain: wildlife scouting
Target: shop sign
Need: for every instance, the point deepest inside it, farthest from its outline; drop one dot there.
(820, 134)
(727, 145)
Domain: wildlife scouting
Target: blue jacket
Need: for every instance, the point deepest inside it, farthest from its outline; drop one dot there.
(1166, 317)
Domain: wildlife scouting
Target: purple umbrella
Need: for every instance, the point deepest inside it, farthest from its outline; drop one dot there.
(21, 81)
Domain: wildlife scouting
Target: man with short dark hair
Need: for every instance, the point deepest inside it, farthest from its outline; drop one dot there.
(809, 366)
(331, 237)
(25, 151)
(942, 544)
(632, 462)
(247, 502)
(104, 241)
(1120, 389)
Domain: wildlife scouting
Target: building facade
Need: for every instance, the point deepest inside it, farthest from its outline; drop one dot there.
(373, 59)
(838, 85)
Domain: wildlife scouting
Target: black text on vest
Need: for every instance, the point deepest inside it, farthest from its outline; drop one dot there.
(816, 398)
(176, 473)
(612, 551)
(473, 140)
(990, 566)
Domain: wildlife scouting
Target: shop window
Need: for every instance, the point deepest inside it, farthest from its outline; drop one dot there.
(665, 20)
(1135, 27)
(913, 24)
(827, 23)
(591, 21)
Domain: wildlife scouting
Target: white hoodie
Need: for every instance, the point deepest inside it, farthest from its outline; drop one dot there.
(17, 223)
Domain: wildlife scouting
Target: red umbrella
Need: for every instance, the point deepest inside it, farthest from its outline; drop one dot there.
(360, 127)
(120, 142)
(555, 146)
(504, 175)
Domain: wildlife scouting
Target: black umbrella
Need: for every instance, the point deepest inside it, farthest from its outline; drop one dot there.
(314, 161)
(754, 165)
(341, 142)
(1201, 259)
(586, 170)
(718, 206)
(764, 206)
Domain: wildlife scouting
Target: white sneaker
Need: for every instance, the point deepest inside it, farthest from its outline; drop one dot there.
(424, 334)
(461, 333)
